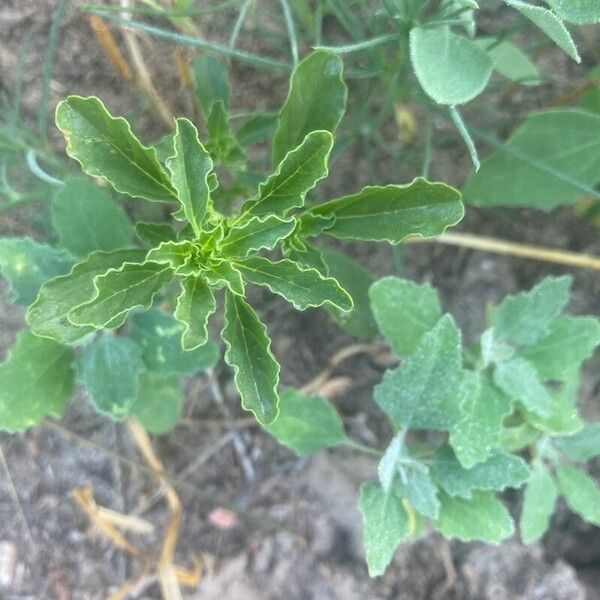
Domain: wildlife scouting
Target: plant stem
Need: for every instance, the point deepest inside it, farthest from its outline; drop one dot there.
(362, 448)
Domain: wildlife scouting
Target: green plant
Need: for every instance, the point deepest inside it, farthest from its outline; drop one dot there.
(468, 422)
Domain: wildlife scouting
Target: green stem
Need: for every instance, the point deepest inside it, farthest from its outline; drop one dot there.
(362, 448)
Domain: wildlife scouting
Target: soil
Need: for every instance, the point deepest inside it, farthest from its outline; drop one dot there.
(293, 531)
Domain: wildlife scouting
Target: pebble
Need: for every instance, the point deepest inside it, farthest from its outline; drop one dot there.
(8, 561)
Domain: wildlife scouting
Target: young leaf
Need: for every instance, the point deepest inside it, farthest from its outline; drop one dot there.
(550, 24)
(393, 212)
(495, 474)
(174, 254)
(119, 291)
(581, 493)
(420, 492)
(195, 304)
(256, 234)
(452, 69)
(155, 233)
(306, 423)
(296, 175)
(190, 166)
(576, 11)
(519, 380)
(302, 287)
(105, 147)
(211, 82)
(525, 318)
(538, 504)
(388, 467)
(47, 316)
(109, 369)
(316, 101)
(248, 352)
(158, 334)
(583, 445)
(27, 265)
(425, 391)
(404, 312)
(159, 402)
(483, 518)
(36, 380)
(224, 273)
(385, 525)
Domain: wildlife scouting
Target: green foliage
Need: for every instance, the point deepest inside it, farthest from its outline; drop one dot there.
(539, 499)
(581, 492)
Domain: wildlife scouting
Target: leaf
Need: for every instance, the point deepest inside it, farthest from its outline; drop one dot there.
(519, 380)
(356, 280)
(109, 369)
(27, 264)
(393, 212)
(316, 101)
(482, 518)
(388, 467)
(159, 403)
(256, 234)
(583, 445)
(477, 433)
(552, 159)
(256, 129)
(105, 147)
(174, 254)
(300, 286)
(450, 68)
(119, 291)
(385, 525)
(550, 24)
(36, 381)
(248, 353)
(86, 219)
(155, 233)
(224, 273)
(510, 61)
(195, 304)
(424, 392)
(47, 316)
(581, 493)
(158, 334)
(569, 341)
(190, 166)
(525, 318)
(495, 474)
(576, 11)
(306, 424)
(404, 311)
(211, 82)
(297, 174)
(538, 504)
(420, 492)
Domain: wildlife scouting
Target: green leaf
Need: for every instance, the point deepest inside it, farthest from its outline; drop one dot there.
(248, 352)
(47, 316)
(518, 437)
(109, 369)
(195, 304)
(256, 234)
(519, 380)
(393, 212)
(86, 219)
(495, 474)
(306, 424)
(483, 518)
(552, 159)
(211, 82)
(174, 254)
(538, 504)
(420, 492)
(36, 380)
(570, 341)
(425, 391)
(119, 291)
(190, 166)
(300, 286)
(105, 147)
(451, 68)
(159, 403)
(316, 100)
(550, 24)
(158, 334)
(404, 311)
(581, 493)
(510, 61)
(224, 273)
(256, 129)
(385, 525)
(583, 445)
(297, 174)
(155, 233)
(525, 318)
(356, 280)
(576, 11)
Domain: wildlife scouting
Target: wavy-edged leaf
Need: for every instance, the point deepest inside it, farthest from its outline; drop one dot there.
(256, 234)
(539, 499)
(174, 254)
(581, 492)
(195, 304)
(224, 273)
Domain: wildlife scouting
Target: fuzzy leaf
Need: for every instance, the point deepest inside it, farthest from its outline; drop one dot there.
(393, 212)
(576, 11)
(538, 504)
(420, 492)
(583, 445)
(36, 380)
(248, 352)
(105, 147)
(195, 304)
(581, 493)
(256, 234)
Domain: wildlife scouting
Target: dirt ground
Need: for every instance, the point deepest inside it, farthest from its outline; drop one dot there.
(296, 532)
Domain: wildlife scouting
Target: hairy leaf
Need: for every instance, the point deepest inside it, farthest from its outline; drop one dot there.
(576, 11)
(420, 492)
(583, 445)
(538, 504)
(195, 304)
(256, 234)
(581, 493)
